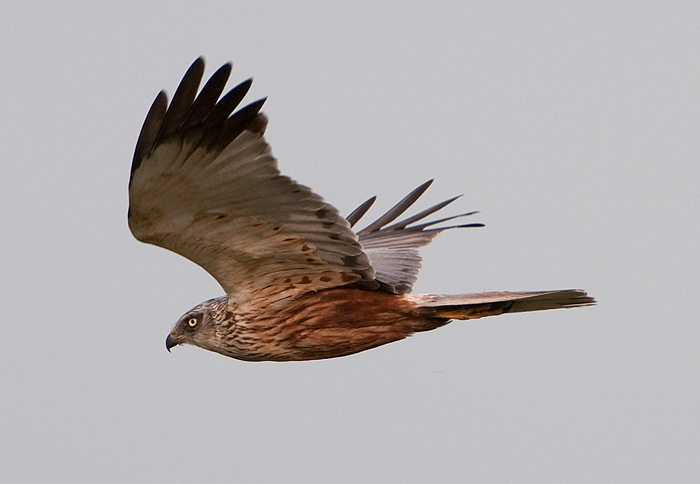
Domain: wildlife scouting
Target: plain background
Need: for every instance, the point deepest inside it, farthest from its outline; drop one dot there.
(572, 126)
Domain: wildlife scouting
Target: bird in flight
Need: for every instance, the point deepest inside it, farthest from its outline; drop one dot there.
(299, 283)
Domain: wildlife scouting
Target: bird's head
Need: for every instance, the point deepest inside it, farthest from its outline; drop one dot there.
(198, 325)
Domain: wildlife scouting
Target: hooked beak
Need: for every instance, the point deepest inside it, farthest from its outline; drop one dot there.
(170, 342)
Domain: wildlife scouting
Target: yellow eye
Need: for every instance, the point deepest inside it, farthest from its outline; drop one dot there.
(192, 322)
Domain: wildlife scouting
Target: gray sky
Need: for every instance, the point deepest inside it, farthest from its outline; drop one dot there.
(572, 127)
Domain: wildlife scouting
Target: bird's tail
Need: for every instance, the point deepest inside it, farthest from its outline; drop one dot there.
(479, 305)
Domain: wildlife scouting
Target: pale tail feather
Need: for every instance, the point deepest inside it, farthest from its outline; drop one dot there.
(478, 305)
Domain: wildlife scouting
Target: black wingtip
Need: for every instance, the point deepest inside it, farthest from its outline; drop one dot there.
(198, 63)
(204, 111)
(150, 129)
(397, 209)
(207, 98)
(241, 120)
(360, 211)
(161, 118)
(183, 98)
(419, 216)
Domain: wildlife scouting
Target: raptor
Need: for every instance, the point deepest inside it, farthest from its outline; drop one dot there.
(299, 283)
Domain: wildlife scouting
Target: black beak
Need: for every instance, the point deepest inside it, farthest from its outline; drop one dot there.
(170, 342)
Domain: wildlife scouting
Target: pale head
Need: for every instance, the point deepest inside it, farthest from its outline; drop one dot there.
(198, 326)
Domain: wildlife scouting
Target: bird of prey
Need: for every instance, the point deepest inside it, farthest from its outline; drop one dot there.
(299, 283)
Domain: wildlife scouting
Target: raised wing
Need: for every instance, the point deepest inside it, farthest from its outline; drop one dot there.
(204, 184)
(393, 249)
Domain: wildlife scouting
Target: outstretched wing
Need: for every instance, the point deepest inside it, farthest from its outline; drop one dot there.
(393, 249)
(204, 184)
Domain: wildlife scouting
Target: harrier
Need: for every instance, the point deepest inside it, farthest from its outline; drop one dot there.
(299, 283)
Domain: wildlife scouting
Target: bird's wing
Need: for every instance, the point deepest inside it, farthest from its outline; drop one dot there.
(204, 184)
(393, 249)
